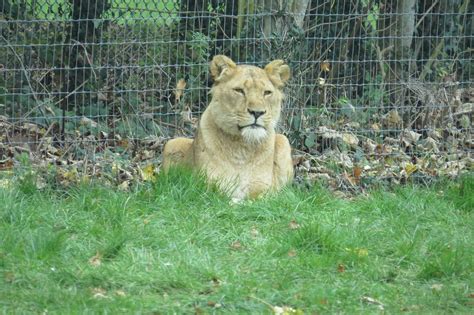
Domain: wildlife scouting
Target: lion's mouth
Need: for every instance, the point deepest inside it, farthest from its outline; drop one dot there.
(251, 126)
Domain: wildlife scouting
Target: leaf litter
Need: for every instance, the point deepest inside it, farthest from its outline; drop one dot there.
(342, 154)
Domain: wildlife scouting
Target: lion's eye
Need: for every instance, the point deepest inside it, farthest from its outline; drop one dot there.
(240, 91)
(266, 93)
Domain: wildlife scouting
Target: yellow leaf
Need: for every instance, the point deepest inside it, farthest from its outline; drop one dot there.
(410, 168)
(115, 168)
(325, 66)
(179, 89)
(148, 173)
(70, 176)
(361, 252)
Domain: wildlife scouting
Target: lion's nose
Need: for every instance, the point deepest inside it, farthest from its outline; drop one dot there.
(256, 113)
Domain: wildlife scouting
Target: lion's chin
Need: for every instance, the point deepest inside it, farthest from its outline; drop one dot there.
(254, 134)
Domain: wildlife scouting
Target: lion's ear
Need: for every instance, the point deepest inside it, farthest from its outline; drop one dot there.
(220, 66)
(278, 72)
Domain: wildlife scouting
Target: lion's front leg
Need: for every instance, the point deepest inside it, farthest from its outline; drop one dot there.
(178, 152)
(282, 162)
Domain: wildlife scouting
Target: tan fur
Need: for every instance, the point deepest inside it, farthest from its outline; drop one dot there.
(245, 160)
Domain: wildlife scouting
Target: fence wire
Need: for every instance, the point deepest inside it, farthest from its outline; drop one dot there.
(379, 89)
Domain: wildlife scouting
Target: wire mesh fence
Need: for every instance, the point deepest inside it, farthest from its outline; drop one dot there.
(379, 89)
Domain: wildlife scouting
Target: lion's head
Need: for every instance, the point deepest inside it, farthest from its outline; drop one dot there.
(246, 100)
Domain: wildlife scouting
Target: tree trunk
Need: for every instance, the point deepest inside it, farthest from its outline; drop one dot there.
(299, 11)
(279, 24)
(405, 27)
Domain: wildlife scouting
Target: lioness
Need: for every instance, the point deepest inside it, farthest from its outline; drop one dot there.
(236, 144)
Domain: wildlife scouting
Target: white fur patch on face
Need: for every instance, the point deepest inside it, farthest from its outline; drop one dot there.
(254, 135)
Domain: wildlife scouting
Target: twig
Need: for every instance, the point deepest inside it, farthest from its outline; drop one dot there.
(432, 59)
(380, 54)
(44, 136)
(262, 301)
(56, 103)
(27, 76)
(87, 56)
(72, 92)
(426, 13)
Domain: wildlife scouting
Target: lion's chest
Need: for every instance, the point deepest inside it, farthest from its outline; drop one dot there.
(242, 178)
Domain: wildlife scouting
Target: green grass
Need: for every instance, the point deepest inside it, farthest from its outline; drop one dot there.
(177, 246)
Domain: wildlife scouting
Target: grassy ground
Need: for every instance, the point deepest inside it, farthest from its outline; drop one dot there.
(177, 246)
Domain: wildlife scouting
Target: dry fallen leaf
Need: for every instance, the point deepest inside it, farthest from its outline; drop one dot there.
(411, 308)
(9, 276)
(180, 86)
(6, 164)
(120, 293)
(341, 268)
(70, 176)
(214, 304)
(293, 225)
(88, 122)
(99, 293)
(392, 118)
(254, 232)
(216, 282)
(236, 245)
(187, 116)
(356, 172)
(292, 253)
(350, 139)
(375, 127)
(409, 137)
(123, 143)
(369, 300)
(286, 310)
(124, 186)
(96, 260)
(349, 179)
(280, 310)
(325, 66)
